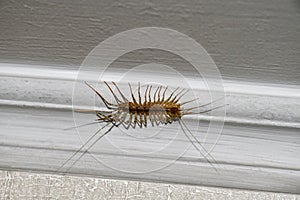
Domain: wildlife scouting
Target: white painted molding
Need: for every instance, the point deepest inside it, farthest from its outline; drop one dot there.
(258, 148)
(252, 103)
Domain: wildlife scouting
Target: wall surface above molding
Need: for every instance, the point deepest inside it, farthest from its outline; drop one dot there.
(255, 45)
(248, 40)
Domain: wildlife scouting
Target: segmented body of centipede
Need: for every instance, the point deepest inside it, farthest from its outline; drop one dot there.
(158, 110)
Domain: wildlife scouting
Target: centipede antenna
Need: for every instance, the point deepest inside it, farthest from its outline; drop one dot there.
(75, 153)
(115, 96)
(218, 99)
(107, 104)
(198, 142)
(139, 92)
(191, 101)
(132, 93)
(106, 112)
(186, 111)
(85, 111)
(93, 111)
(122, 95)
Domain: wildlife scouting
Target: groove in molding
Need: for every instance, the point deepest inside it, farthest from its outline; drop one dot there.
(249, 103)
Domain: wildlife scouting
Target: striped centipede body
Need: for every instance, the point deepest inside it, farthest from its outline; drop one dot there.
(158, 110)
(137, 113)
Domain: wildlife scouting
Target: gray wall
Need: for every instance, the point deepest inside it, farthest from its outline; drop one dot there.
(249, 40)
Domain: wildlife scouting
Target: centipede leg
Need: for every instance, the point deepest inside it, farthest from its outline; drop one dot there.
(107, 104)
(83, 146)
(129, 121)
(154, 96)
(164, 93)
(115, 96)
(149, 93)
(139, 93)
(120, 117)
(176, 100)
(156, 119)
(158, 99)
(159, 118)
(145, 119)
(134, 100)
(135, 121)
(175, 97)
(145, 100)
(113, 125)
(182, 124)
(141, 120)
(122, 95)
(168, 99)
(151, 118)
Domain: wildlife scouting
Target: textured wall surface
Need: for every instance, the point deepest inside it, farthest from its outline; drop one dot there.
(249, 40)
(21, 185)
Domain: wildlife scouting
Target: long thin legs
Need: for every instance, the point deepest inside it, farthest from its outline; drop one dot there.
(139, 113)
(84, 145)
(107, 104)
(189, 134)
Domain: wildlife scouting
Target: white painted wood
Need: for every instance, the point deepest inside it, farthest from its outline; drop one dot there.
(253, 152)
(46, 86)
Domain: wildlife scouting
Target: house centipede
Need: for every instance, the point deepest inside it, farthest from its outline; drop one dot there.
(158, 110)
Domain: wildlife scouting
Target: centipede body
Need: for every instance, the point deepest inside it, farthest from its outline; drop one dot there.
(158, 110)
